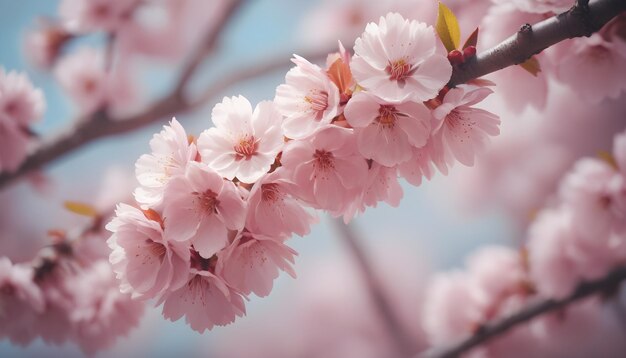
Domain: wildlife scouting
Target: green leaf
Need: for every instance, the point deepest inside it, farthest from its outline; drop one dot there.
(532, 66)
(81, 208)
(472, 40)
(448, 28)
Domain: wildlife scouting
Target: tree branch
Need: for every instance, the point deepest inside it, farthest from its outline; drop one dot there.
(497, 328)
(207, 45)
(383, 306)
(581, 20)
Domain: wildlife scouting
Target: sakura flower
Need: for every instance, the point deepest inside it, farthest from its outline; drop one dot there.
(201, 206)
(243, 143)
(326, 168)
(20, 101)
(462, 129)
(309, 100)
(445, 320)
(594, 66)
(20, 302)
(205, 301)
(381, 185)
(102, 313)
(43, 44)
(96, 15)
(171, 152)
(386, 132)
(252, 262)
(596, 194)
(146, 262)
(273, 211)
(20, 105)
(541, 6)
(83, 76)
(422, 163)
(551, 268)
(396, 60)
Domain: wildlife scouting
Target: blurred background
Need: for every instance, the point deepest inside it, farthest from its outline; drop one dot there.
(433, 229)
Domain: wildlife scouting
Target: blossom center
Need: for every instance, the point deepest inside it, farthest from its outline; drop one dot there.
(207, 201)
(324, 160)
(387, 116)
(271, 192)
(246, 148)
(318, 102)
(399, 70)
(155, 249)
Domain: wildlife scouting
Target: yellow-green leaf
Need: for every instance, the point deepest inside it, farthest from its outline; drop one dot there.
(448, 28)
(472, 40)
(532, 66)
(81, 208)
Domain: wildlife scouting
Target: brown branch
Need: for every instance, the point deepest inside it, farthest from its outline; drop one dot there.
(100, 125)
(489, 331)
(581, 20)
(387, 314)
(207, 45)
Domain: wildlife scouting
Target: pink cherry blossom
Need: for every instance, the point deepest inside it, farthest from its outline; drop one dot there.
(243, 143)
(596, 194)
(201, 207)
(20, 105)
(146, 262)
(551, 268)
(20, 101)
(501, 21)
(171, 153)
(422, 163)
(252, 262)
(83, 76)
(386, 132)
(43, 44)
(463, 129)
(272, 209)
(96, 15)
(205, 301)
(594, 66)
(101, 313)
(309, 100)
(541, 6)
(325, 168)
(396, 60)
(21, 301)
(444, 319)
(381, 185)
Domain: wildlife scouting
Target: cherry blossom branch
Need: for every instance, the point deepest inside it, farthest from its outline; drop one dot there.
(207, 45)
(384, 307)
(491, 330)
(581, 20)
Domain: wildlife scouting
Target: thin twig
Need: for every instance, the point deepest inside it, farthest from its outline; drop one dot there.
(497, 328)
(100, 125)
(579, 21)
(207, 45)
(387, 314)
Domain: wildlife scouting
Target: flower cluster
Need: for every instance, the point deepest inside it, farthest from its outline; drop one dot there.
(69, 293)
(98, 76)
(216, 210)
(581, 238)
(21, 105)
(584, 236)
